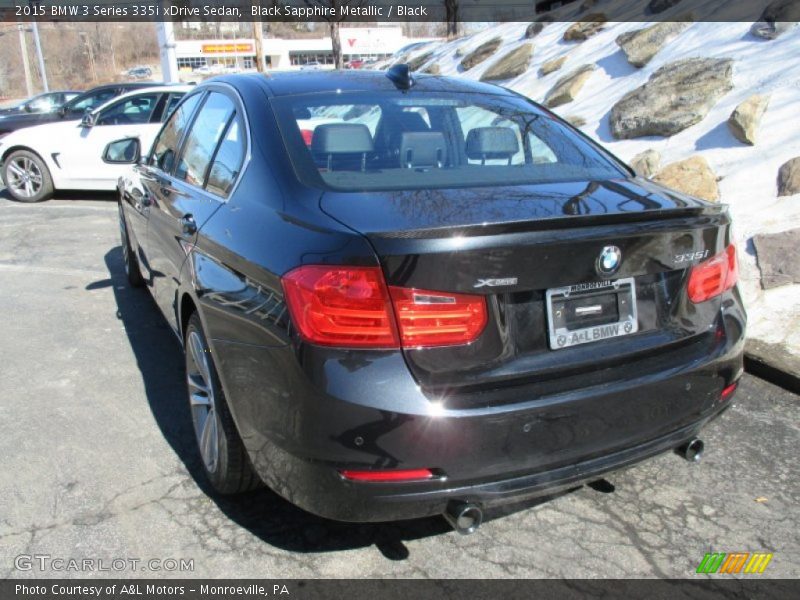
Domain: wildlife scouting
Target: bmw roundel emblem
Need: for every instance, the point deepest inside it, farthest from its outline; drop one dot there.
(609, 260)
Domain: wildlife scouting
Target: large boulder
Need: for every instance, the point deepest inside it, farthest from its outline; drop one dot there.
(481, 53)
(647, 163)
(533, 30)
(692, 176)
(552, 65)
(778, 256)
(676, 96)
(415, 63)
(567, 88)
(778, 17)
(789, 178)
(642, 45)
(745, 118)
(510, 65)
(585, 28)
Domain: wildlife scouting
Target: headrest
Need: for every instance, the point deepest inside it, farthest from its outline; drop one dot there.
(491, 142)
(423, 149)
(342, 138)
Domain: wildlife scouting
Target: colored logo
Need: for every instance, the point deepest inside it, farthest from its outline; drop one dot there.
(734, 562)
(609, 260)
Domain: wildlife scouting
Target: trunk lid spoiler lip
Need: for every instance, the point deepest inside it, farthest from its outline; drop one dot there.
(549, 224)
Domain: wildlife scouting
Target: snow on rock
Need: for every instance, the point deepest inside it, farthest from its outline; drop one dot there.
(748, 174)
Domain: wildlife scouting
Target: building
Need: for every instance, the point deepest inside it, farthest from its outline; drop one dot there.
(367, 43)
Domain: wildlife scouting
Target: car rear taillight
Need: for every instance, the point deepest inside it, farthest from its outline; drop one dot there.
(394, 475)
(713, 276)
(428, 318)
(352, 307)
(308, 135)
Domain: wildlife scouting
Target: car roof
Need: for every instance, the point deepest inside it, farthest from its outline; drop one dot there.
(286, 83)
(144, 90)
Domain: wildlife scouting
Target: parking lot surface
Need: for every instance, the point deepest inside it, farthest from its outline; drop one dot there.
(99, 461)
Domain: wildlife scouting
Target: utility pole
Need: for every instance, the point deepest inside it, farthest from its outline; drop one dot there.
(25, 64)
(40, 56)
(258, 34)
(169, 59)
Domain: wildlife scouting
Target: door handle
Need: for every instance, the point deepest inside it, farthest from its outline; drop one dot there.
(188, 225)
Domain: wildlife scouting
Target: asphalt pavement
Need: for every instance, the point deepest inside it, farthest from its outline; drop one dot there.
(99, 459)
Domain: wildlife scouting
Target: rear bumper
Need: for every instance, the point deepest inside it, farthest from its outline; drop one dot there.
(314, 489)
(306, 414)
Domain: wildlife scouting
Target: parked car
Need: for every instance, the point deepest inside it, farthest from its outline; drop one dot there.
(311, 66)
(450, 299)
(356, 63)
(41, 103)
(140, 72)
(37, 161)
(73, 109)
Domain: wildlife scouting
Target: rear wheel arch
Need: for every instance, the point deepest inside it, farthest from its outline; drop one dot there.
(187, 307)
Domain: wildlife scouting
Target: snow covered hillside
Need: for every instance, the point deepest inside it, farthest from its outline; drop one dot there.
(746, 175)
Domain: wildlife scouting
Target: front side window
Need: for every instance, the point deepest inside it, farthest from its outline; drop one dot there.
(165, 148)
(131, 111)
(91, 100)
(396, 141)
(202, 140)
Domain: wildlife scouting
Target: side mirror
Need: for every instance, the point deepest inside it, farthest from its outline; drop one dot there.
(87, 120)
(127, 151)
(28, 108)
(62, 112)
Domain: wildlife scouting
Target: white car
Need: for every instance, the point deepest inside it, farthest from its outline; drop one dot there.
(71, 155)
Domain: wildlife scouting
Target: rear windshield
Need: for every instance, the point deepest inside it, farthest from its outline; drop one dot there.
(424, 140)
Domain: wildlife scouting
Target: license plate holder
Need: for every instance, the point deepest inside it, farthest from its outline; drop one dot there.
(568, 306)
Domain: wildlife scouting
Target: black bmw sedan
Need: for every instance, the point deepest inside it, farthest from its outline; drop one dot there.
(406, 296)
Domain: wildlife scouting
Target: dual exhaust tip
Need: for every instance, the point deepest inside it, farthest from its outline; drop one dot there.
(466, 517)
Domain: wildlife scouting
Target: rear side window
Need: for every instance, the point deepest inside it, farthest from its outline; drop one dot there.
(201, 142)
(364, 141)
(228, 160)
(165, 148)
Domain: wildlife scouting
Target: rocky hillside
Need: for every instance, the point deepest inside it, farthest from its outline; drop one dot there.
(710, 108)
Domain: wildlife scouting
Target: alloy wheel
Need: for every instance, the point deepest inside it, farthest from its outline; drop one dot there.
(201, 400)
(24, 177)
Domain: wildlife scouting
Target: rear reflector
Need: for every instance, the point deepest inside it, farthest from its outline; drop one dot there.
(728, 391)
(401, 475)
(711, 277)
(352, 307)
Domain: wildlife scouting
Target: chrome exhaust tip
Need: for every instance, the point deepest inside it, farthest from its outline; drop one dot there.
(691, 450)
(464, 517)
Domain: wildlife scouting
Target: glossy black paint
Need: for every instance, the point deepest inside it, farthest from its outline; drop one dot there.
(503, 418)
(12, 122)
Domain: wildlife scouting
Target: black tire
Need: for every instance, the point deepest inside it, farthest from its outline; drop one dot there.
(231, 472)
(27, 184)
(129, 257)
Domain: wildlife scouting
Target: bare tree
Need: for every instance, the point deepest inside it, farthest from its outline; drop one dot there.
(334, 21)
